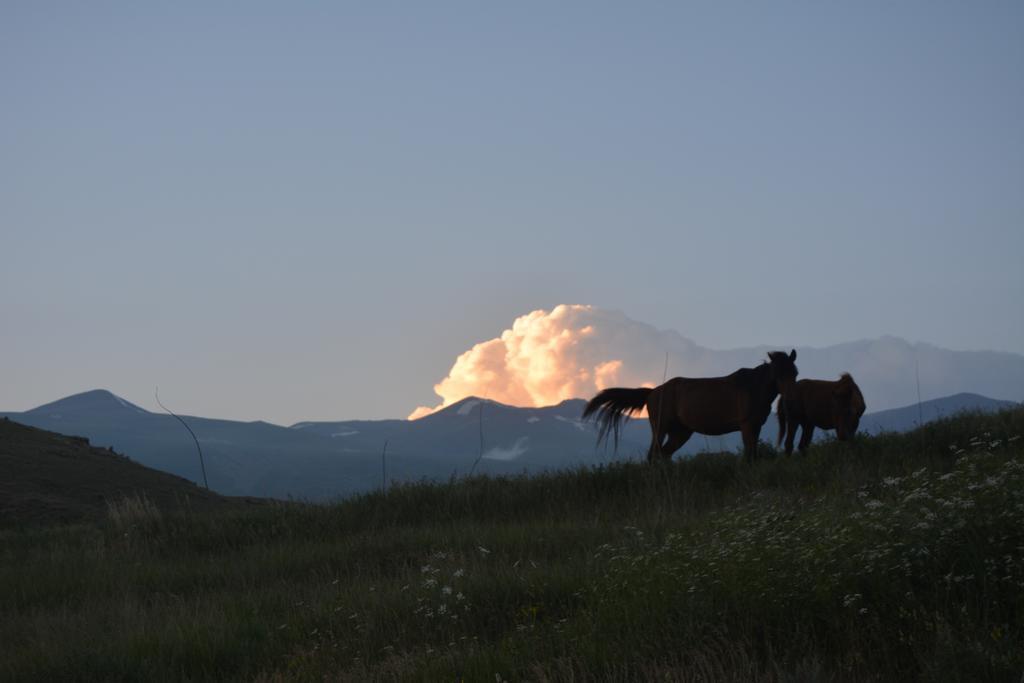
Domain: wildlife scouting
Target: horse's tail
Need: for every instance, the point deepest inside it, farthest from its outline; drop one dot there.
(611, 405)
(782, 419)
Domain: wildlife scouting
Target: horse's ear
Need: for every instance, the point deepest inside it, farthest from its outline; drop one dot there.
(792, 354)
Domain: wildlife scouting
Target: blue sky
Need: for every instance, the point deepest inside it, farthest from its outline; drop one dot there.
(290, 211)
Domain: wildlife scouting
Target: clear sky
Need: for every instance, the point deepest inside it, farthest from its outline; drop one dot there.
(289, 211)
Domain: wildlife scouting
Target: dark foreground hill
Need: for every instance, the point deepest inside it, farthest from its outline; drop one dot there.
(48, 477)
(897, 557)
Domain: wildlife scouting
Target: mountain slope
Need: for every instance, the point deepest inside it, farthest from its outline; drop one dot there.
(50, 477)
(910, 417)
(478, 428)
(242, 458)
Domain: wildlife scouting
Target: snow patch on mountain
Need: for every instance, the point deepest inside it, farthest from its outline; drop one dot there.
(126, 404)
(511, 453)
(575, 423)
(467, 407)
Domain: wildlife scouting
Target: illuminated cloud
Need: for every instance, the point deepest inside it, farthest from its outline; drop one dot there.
(576, 351)
(571, 351)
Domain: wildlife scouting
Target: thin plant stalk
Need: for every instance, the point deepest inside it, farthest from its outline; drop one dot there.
(198, 449)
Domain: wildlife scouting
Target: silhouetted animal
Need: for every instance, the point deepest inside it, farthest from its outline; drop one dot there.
(681, 406)
(819, 403)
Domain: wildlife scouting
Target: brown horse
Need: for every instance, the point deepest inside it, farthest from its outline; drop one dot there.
(681, 406)
(818, 403)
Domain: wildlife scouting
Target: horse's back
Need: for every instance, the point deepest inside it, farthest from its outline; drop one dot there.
(812, 401)
(707, 405)
(705, 388)
(813, 389)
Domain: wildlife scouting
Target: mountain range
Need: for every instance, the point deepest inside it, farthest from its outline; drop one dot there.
(328, 460)
(892, 372)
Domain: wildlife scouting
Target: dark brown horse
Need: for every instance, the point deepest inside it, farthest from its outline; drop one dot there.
(818, 403)
(740, 402)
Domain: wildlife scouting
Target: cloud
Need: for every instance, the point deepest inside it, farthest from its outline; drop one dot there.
(572, 351)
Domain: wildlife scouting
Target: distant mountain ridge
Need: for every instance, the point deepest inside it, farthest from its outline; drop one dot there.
(95, 402)
(325, 460)
(888, 369)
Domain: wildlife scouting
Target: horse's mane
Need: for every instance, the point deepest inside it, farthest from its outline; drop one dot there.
(747, 376)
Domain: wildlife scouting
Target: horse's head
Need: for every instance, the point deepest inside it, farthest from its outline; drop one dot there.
(783, 369)
(847, 407)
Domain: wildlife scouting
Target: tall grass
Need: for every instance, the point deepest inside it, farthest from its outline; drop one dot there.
(896, 556)
(129, 511)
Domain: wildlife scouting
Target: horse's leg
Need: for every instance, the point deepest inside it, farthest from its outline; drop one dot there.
(791, 427)
(656, 438)
(675, 441)
(750, 433)
(655, 450)
(805, 437)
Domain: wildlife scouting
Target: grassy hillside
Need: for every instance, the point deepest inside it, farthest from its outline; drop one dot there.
(900, 556)
(47, 477)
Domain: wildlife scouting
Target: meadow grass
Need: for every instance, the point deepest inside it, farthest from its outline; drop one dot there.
(897, 556)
